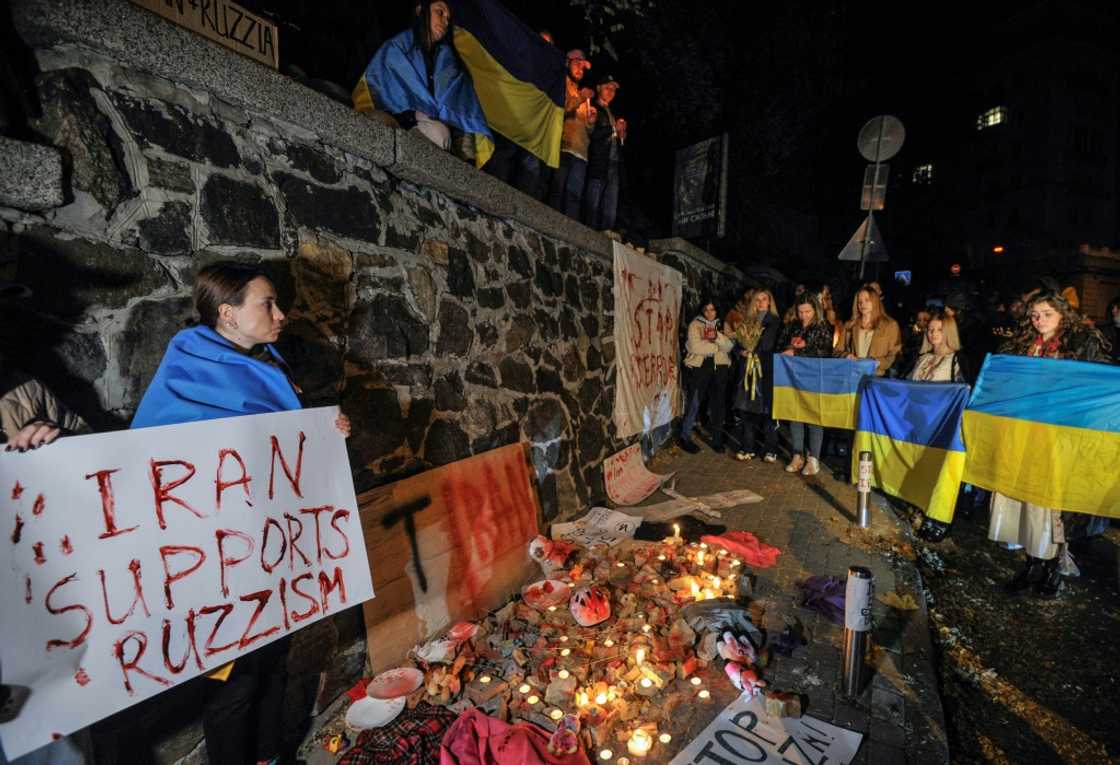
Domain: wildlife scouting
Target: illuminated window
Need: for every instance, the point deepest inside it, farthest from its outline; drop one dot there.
(997, 115)
(923, 174)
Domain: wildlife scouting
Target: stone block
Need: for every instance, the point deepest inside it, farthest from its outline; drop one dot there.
(491, 297)
(424, 290)
(449, 393)
(520, 293)
(446, 443)
(519, 262)
(520, 333)
(420, 413)
(379, 428)
(385, 327)
(503, 436)
(30, 176)
(178, 132)
(408, 375)
(316, 163)
(460, 274)
(170, 175)
(482, 373)
(323, 279)
(551, 223)
(239, 213)
(150, 326)
(516, 375)
(455, 333)
(169, 231)
(92, 151)
(69, 276)
(545, 421)
(348, 212)
(548, 381)
(422, 162)
(315, 361)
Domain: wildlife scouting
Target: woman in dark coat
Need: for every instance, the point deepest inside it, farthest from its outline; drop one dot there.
(810, 335)
(756, 338)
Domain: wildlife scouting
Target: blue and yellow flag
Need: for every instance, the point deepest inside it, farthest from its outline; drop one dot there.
(913, 431)
(1046, 431)
(818, 391)
(518, 76)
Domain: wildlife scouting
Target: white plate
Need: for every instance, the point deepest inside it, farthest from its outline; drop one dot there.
(395, 683)
(368, 713)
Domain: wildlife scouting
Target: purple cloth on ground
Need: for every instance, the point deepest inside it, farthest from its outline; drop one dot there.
(824, 594)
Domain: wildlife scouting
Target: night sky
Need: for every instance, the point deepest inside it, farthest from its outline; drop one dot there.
(791, 82)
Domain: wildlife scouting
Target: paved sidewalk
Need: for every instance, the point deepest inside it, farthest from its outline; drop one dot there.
(812, 521)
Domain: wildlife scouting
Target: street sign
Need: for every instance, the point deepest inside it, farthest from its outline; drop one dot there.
(866, 244)
(874, 194)
(881, 138)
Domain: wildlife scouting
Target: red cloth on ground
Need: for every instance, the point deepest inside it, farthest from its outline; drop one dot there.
(746, 546)
(478, 739)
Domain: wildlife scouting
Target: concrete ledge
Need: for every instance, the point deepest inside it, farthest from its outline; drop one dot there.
(142, 39)
(683, 247)
(30, 176)
(421, 161)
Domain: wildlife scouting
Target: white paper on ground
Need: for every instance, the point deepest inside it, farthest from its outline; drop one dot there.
(743, 732)
(600, 526)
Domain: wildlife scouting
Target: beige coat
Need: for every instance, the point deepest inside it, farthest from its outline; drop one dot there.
(699, 349)
(886, 343)
(23, 400)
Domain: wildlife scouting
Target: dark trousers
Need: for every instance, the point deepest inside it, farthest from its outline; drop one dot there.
(748, 422)
(710, 382)
(600, 200)
(243, 717)
(567, 185)
(514, 165)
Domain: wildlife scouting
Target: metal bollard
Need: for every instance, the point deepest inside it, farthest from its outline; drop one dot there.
(863, 490)
(857, 627)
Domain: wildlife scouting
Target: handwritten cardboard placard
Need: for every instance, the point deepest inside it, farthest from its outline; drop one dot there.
(647, 308)
(743, 732)
(136, 560)
(224, 22)
(449, 544)
(627, 479)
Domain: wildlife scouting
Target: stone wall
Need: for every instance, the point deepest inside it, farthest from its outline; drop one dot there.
(445, 312)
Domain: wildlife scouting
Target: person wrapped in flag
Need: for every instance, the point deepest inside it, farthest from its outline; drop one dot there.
(1008, 397)
(418, 77)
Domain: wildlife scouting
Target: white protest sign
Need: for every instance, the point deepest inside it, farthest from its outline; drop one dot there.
(138, 559)
(647, 309)
(599, 527)
(743, 732)
(627, 479)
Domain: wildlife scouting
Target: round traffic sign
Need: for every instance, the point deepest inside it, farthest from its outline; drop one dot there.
(881, 138)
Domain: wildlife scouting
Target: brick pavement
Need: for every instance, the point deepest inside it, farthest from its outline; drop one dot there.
(812, 521)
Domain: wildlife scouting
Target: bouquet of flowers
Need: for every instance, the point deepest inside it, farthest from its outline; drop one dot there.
(747, 335)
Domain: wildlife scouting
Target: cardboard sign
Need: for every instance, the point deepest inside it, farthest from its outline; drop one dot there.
(743, 732)
(647, 309)
(449, 544)
(138, 559)
(225, 23)
(627, 479)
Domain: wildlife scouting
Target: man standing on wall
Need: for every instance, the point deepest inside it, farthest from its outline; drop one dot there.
(604, 159)
(579, 116)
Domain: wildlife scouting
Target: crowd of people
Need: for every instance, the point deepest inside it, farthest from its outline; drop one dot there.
(729, 364)
(417, 81)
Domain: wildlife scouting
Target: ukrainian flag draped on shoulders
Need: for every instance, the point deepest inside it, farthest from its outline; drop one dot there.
(913, 431)
(396, 81)
(818, 391)
(1047, 431)
(518, 76)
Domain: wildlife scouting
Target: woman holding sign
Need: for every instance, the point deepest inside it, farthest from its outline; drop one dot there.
(226, 366)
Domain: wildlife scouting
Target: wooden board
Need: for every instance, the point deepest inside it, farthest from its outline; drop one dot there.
(224, 22)
(447, 545)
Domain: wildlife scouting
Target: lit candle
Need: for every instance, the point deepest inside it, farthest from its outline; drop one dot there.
(703, 546)
(736, 563)
(639, 656)
(716, 582)
(606, 754)
(563, 638)
(696, 681)
(646, 628)
(676, 531)
(525, 688)
(620, 564)
(646, 682)
(704, 694)
(639, 743)
(661, 557)
(556, 714)
(534, 699)
(653, 581)
(601, 699)
(565, 651)
(722, 553)
(700, 559)
(623, 761)
(563, 674)
(484, 679)
(608, 642)
(552, 608)
(664, 738)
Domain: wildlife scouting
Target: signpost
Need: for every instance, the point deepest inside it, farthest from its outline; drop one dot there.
(879, 140)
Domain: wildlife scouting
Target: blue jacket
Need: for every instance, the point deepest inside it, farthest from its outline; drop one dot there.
(204, 377)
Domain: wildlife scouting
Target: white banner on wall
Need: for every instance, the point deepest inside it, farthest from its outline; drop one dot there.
(647, 307)
(135, 560)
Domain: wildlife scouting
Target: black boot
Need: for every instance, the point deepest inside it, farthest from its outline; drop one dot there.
(1030, 573)
(1050, 583)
